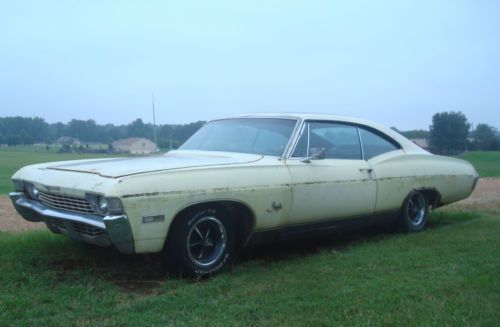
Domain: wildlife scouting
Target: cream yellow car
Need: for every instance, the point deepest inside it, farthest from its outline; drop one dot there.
(242, 180)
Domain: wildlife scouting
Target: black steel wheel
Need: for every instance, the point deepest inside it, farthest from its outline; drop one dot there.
(206, 241)
(414, 212)
(201, 241)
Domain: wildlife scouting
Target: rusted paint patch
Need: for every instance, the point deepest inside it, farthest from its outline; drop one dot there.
(140, 195)
(335, 182)
(228, 189)
(207, 191)
(278, 186)
(419, 177)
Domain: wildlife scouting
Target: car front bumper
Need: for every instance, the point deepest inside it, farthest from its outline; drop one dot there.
(102, 231)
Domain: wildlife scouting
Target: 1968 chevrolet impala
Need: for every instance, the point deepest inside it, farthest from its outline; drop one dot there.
(240, 180)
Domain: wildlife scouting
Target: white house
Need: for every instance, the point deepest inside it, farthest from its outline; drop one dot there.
(68, 140)
(135, 145)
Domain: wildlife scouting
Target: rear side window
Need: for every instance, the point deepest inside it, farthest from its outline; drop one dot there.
(374, 144)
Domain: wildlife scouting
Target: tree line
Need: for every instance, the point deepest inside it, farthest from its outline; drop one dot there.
(26, 130)
(450, 132)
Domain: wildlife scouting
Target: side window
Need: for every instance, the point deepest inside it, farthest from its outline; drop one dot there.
(339, 141)
(374, 145)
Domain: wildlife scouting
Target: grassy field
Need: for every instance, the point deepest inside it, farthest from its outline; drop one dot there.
(487, 163)
(448, 275)
(13, 159)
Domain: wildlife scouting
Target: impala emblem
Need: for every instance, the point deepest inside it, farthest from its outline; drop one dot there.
(275, 207)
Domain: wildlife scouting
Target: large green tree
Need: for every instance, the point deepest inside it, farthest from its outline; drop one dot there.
(137, 128)
(449, 132)
(20, 130)
(484, 138)
(84, 130)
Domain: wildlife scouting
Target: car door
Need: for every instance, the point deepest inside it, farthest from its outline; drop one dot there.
(336, 185)
(389, 166)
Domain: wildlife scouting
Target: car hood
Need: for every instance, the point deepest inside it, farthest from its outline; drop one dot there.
(119, 167)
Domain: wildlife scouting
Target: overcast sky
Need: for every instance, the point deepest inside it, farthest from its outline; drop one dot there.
(396, 62)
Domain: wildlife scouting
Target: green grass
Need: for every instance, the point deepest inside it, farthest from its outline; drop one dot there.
(448, 275)
(487, 164)
(14, 158)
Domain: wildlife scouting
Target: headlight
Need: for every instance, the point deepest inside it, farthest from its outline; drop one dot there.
(102, 203)
(33, 191)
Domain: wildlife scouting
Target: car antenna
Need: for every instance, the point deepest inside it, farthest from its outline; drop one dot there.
(154, 118)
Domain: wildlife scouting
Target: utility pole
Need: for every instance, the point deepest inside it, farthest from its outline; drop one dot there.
(154, 118)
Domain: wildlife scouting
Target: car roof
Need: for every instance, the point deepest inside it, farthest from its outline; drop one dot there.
(306, 116)
(407, 145)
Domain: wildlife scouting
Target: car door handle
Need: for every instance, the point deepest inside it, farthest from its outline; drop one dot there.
(366, 170)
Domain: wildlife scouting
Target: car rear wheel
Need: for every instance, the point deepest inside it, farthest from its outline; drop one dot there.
(202, 241)
(414, 212)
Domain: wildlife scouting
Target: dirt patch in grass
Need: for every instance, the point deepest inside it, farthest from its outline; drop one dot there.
(485, 197)
(11, 221)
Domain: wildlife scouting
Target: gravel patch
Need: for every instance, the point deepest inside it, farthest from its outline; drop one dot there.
(11, 221)
(486, 196)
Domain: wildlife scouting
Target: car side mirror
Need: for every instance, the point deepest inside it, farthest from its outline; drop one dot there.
(315, 154)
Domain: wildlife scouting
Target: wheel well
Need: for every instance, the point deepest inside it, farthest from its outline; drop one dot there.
(241, 214)
(432, 195)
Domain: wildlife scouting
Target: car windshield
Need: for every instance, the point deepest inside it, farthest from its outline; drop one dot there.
(265, 136)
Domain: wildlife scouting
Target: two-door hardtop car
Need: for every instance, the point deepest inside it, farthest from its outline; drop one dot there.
(240, 180)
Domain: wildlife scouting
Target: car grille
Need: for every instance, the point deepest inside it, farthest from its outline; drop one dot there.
(77, 227)
(64, 202)
(88, 229)
(57, 223)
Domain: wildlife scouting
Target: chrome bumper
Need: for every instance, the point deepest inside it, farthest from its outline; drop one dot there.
(103, 231)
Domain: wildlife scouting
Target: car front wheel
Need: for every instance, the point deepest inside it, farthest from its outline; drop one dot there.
(202, 241)
(414, 212)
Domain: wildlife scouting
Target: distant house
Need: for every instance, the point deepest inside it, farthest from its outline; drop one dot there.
(135, 145)
(68, 140)
(423, 143)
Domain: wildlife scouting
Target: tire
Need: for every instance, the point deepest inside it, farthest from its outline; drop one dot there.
(201, 241)
(414, 212)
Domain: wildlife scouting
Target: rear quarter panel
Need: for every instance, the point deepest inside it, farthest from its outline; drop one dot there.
(399, 173)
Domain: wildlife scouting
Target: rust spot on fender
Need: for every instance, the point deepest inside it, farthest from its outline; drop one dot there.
(208, 191)
(140, 194)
